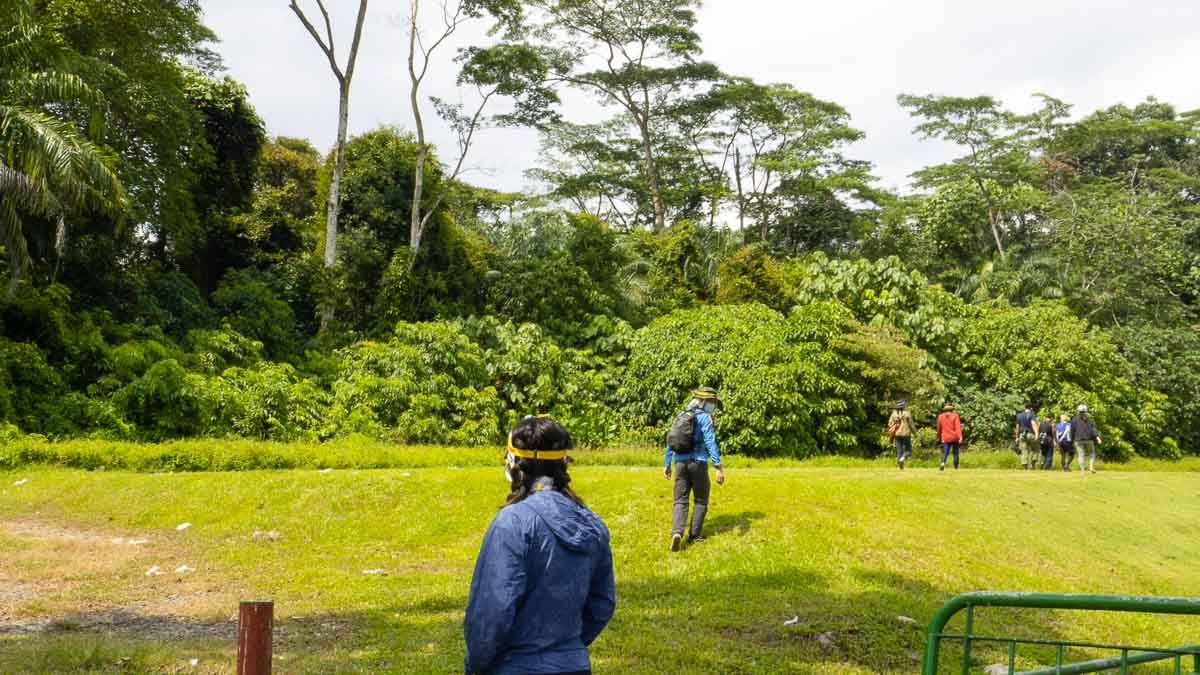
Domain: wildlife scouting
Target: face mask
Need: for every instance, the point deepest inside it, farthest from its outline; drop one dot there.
(710, 408)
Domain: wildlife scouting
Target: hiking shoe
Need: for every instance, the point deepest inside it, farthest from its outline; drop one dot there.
(901, 463)
(696, 540)
(943, 467)
(676, 539)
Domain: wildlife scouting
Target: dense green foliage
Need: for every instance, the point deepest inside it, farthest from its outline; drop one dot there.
(167, 282)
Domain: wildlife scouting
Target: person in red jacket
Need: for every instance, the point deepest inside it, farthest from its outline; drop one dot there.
(949, 430)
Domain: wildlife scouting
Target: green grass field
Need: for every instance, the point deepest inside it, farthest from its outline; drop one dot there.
(845, 551)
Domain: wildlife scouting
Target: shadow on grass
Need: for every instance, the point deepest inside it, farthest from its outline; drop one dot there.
(730, 522)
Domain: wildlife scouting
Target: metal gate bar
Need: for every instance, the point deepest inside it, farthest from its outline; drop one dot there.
(1130, 655)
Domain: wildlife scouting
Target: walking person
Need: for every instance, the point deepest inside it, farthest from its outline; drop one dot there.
(1046, 437)
(949, 430)
(1086, 437)
(901, 428)
(1062, 434)
(1024, 433)
(692, 444)
(543, 585)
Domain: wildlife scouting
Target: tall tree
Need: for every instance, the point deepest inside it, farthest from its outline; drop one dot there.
(648, 51)
(999, 146)
(344, 79)
(49, 170)
(511, 69)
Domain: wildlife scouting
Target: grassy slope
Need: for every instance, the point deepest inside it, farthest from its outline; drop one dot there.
(847, 550)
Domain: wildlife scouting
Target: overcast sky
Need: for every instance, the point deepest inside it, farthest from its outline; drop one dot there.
(858, 53)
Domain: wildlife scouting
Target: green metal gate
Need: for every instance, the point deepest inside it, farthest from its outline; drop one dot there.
(1129, 655)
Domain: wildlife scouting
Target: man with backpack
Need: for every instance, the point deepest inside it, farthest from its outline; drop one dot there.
(1062, 433)
(1046, 437)
(900, 431)
(692, 443)
(1026, 436)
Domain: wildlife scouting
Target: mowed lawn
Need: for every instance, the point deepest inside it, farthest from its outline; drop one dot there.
(840, 554)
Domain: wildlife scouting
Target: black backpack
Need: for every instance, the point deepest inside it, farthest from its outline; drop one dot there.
(679, 438)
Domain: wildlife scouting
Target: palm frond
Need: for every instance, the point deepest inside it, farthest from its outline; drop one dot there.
(26, 195)
(52, 155)
(12, 235)
(53, 86)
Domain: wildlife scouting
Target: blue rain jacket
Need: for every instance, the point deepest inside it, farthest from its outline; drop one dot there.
(542, 591)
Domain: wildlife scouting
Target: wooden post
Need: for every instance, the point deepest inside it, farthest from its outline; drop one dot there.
(255, 625)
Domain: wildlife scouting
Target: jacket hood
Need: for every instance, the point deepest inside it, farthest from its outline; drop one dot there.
(575, 527)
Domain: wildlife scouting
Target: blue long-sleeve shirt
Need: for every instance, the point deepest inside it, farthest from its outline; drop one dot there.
(704, 443)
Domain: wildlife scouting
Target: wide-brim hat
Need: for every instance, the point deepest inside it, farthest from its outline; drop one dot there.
(948, 406)
(708, 394)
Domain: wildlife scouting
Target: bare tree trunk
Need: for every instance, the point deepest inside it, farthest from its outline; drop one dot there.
(333, 206)
(334, 203)
(995, 229)
(414, 228)
(737, 174)
(660, 217)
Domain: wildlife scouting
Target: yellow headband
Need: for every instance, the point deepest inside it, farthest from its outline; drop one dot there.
(535, 454)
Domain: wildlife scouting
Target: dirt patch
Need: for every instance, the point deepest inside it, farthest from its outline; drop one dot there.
(69, 578)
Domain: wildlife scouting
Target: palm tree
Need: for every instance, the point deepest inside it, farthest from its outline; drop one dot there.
(48, 169)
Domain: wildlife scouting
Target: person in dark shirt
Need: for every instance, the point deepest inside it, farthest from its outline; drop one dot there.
(1025, 434)
(1046, 440)
(1086, 437)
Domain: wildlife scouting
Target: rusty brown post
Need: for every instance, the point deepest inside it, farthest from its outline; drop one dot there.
(255, 626)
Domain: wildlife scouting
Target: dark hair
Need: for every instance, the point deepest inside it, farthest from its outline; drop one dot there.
(540, 433)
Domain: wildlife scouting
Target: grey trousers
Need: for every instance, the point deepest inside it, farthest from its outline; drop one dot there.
(690, 476)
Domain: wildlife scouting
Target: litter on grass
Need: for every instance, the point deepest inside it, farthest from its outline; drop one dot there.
(153, 571)
(375, 571)
(21, 482)
(792, 621)
(184, 568)
(269, 534)
(325, 470)
(182, 526)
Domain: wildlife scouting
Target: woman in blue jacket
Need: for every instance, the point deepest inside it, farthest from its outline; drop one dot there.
(543, 586)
